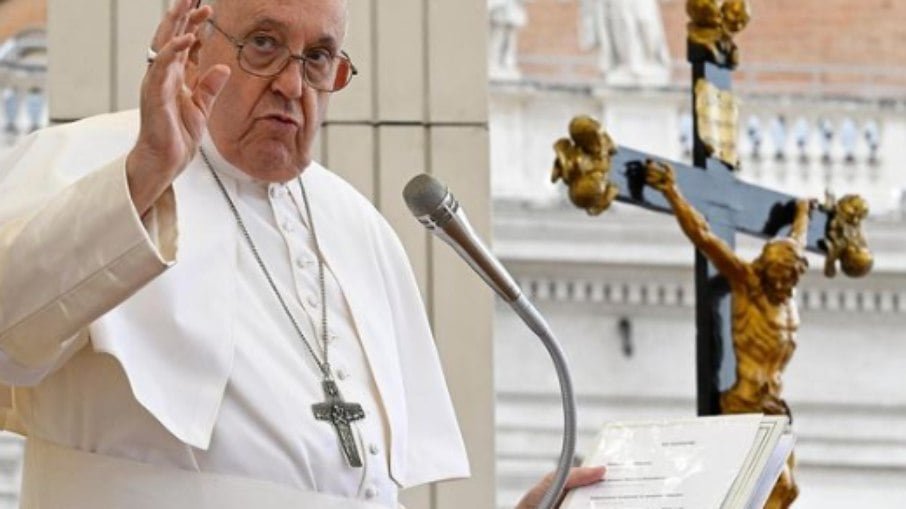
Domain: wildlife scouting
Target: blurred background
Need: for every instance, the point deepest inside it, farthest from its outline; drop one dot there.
(823, 90)
(23, 68)
(23, 109)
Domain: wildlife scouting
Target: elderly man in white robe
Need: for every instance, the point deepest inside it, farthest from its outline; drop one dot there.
(194, 314)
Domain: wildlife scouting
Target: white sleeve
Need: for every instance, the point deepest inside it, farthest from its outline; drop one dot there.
(68, 261)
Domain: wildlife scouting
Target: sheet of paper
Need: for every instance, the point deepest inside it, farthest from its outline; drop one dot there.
(770, 431)
(772, 471)
(685, 464)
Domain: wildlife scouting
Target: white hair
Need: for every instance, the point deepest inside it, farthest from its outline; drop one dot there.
(213, 2)
(345, 12)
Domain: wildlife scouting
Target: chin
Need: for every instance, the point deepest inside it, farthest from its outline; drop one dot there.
(282, 175)
(277, 165)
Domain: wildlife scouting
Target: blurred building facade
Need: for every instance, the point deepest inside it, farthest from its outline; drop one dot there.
(23, 68)
(23, 73)
(823, 86)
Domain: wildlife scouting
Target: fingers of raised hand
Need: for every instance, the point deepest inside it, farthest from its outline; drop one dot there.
(180, 19)
(174, 51)
(197, 18)
(209, 86)
(164, 88)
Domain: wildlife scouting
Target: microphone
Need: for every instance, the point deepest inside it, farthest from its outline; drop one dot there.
(437, 209)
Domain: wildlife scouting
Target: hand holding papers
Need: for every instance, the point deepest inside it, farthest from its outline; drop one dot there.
(722, 462)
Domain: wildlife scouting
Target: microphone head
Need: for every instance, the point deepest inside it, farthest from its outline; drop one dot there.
(424, 194)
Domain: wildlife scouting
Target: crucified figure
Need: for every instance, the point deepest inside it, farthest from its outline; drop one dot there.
(765, 319)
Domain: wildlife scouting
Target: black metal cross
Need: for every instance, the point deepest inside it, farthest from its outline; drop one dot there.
(340, 414)
(730, 206)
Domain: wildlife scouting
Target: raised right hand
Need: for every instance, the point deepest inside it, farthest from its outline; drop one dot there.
(173, 114)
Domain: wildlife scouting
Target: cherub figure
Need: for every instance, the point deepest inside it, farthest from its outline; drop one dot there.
(765, 318)
(845, 241)
(583, 162)
(736, 15)
(705, 22)
(713, 24)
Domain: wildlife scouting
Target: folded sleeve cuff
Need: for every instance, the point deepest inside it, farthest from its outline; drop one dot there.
(75, 259)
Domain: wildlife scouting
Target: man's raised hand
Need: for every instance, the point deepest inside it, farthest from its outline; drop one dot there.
(174, 112)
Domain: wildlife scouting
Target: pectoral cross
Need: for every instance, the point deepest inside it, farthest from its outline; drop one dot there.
(340, 414)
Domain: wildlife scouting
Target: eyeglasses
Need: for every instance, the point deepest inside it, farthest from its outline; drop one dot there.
(264, 56)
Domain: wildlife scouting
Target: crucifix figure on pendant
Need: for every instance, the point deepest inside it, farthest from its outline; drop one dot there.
(340, 414)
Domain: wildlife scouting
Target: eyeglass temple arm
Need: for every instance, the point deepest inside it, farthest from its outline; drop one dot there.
(355, 70)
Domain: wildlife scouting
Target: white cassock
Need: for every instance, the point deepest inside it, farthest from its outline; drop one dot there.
(153, 364)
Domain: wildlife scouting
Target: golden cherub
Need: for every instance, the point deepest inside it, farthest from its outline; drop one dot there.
(583, 163)
(713, 24)
(845, 241)
(765, 318)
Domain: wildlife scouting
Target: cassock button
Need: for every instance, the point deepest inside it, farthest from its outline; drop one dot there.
(302, 262)
(370, 492)
(373, 449)
(313, 301)
(342, 374)
(288, 225)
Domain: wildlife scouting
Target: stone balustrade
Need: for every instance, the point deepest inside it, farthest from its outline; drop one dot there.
(800, 147)
(23, 73)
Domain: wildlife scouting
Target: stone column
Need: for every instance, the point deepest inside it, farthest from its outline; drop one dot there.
(420, 105)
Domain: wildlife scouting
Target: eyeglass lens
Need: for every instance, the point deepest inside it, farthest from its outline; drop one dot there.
(321, 70)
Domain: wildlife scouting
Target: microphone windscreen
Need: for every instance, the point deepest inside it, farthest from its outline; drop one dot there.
(424, 194)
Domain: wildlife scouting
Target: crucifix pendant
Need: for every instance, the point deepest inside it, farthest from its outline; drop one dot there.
(340, 414)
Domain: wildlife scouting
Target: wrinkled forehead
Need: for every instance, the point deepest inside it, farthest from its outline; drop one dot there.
(329, 17)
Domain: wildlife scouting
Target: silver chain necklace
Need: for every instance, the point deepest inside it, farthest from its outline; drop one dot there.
(334, 408)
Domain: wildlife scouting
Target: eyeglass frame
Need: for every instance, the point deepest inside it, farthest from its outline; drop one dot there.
(240, 45)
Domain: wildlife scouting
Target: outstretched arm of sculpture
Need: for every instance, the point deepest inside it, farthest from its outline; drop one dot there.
(799, 229)
(661, 177)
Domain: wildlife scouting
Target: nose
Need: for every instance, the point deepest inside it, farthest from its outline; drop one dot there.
(290, 83)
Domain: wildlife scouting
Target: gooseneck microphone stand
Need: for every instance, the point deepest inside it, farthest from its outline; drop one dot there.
(436, 208)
